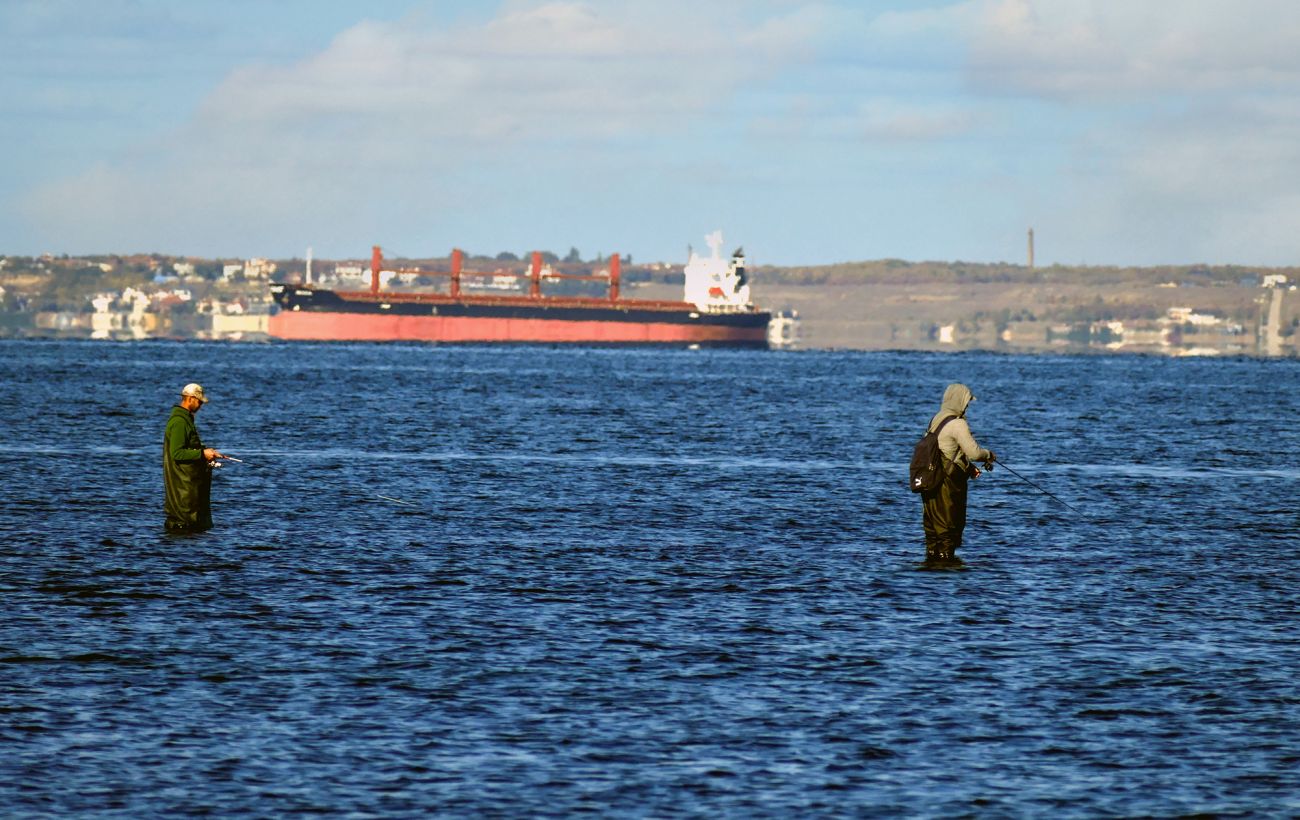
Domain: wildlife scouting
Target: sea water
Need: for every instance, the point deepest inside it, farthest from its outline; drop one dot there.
(645, 583)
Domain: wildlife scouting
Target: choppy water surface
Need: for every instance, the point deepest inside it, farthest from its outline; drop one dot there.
(645, 583)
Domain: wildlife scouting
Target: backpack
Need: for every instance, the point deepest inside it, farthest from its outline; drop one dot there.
(926, 470)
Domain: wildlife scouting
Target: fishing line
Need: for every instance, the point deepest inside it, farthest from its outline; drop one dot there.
(259, 466)
(1035, 486)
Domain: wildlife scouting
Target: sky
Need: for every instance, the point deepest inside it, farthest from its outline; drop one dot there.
(1124, 133)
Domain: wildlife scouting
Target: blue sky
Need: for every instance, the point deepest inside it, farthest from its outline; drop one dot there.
(1147, 132)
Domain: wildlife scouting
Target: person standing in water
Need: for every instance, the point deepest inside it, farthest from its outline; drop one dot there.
(187, 467)
(944, 507)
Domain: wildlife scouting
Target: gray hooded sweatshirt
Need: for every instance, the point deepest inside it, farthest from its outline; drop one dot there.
(956, 438)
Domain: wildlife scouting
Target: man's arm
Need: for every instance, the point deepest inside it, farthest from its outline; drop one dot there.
(969, 447)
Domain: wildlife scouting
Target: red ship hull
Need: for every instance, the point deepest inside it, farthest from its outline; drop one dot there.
(320, 326)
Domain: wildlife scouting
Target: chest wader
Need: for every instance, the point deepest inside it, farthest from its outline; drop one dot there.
(189, 499)
(943, 513)
(187, 485)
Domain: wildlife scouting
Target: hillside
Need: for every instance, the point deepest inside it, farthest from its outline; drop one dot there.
(881, 304)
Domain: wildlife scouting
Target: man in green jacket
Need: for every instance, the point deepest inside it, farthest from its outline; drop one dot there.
(944, 507)
(187, 466)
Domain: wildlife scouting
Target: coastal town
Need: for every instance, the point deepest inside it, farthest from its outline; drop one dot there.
(886, 305)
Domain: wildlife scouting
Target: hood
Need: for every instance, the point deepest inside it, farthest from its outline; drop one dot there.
(955, 400)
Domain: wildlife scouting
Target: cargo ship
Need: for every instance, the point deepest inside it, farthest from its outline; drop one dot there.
(715, 309)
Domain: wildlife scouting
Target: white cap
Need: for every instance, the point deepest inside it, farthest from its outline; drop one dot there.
(195, 390)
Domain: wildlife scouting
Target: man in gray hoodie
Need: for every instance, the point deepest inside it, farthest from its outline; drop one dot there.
(944, 507)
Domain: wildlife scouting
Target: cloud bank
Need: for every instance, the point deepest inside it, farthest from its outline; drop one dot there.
(1162, 131)
(396, 111)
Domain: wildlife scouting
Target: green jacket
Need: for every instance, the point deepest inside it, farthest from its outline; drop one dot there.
(187, 477)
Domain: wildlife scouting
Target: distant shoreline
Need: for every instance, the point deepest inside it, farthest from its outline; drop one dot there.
(874, 305)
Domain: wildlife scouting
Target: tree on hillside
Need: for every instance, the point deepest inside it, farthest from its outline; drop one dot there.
(69, 288)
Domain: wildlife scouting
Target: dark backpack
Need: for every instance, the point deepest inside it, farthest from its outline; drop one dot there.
(926, 470)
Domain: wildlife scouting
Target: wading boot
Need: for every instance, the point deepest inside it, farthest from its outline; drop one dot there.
(948, 557)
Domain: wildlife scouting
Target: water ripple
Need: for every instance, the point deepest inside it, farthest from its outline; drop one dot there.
(644, 583)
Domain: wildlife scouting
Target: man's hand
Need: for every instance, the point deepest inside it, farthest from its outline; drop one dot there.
(212, 454)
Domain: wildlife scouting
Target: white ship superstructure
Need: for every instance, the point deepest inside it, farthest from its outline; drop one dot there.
(716, 284)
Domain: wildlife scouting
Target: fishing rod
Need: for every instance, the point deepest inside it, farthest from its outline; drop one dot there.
(1035, 486)
(250, 464)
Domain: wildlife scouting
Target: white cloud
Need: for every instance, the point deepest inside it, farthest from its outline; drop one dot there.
(1214, 184)
(397, 116)
(1178, 118)
(886, 120)
(926, 22)
(558, 69)
(889, 119)
(1075, 48)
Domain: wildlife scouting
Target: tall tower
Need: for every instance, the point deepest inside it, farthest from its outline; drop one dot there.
(1031, 248)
